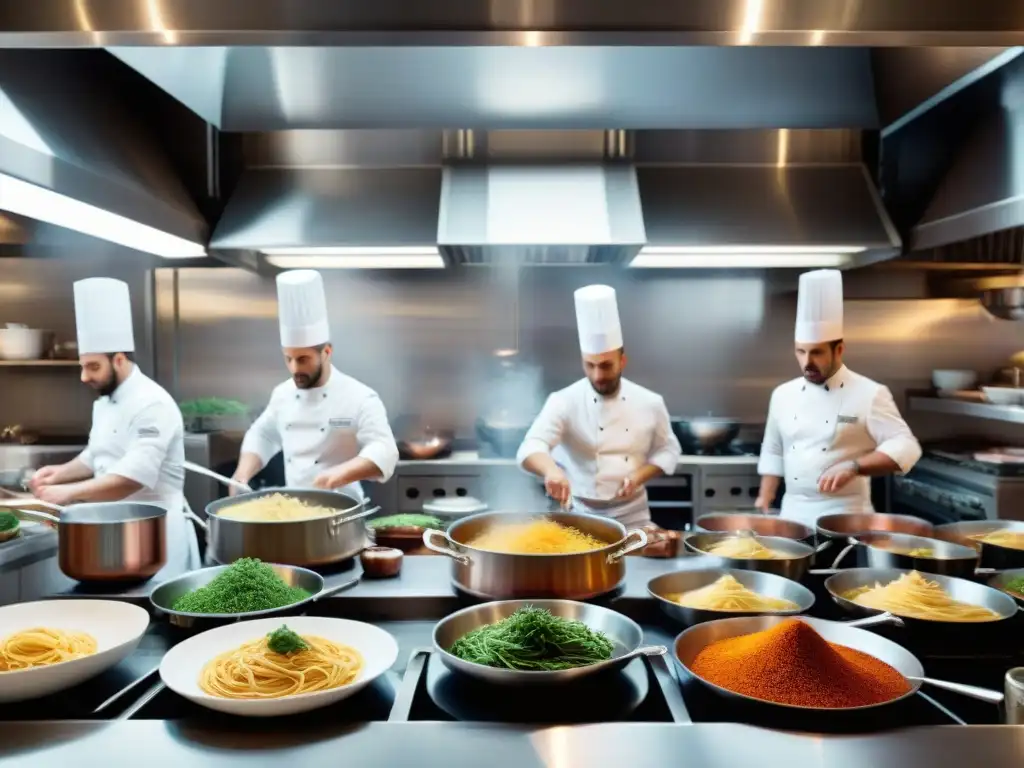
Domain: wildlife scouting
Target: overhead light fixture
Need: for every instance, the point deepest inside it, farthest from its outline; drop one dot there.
(43, 204)
(354, 257)
(744, 257)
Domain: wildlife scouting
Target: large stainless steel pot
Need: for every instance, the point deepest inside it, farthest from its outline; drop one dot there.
(498, 575)
(318, 541)
(111, 541)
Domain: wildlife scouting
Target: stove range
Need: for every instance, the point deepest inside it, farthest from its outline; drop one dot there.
(732, 449)
(980, 458)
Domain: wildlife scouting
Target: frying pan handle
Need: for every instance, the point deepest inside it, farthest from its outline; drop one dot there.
(874, 621)
(336, 524)
(335, 589)
(852, 543)
(971, 691)
(429, 534)
(640, 543)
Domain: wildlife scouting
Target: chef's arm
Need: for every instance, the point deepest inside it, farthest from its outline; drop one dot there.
(261, 442)
(249, 464)
(69, 472)
(897, 449)
(534, 455)
(769, 464)
(107, 488)
(378, 451)
(665, 449)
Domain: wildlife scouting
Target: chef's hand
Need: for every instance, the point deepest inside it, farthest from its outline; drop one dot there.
(662, 542)
(835, 478)
(556, 485)
(330, 479)
(764, 505)
(234, 490)
(628, 488)
(42, 477)
(61, 495)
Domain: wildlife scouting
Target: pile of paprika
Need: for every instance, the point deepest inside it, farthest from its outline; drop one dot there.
(792, 664)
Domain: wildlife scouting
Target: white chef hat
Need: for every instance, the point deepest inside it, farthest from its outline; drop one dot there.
(597, 319)
(302, 309)
(819, 307)
(103, 316)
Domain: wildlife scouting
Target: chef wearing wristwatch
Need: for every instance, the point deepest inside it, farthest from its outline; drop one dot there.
(830, 430)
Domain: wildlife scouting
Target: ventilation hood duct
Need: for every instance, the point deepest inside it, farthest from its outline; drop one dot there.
(540, 214)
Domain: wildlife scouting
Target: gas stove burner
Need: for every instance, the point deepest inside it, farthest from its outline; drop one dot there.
(602, 698)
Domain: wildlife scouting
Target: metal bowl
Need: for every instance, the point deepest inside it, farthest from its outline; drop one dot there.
(623, 632)
(705, 433)
(767, 584)
(887, 550)
(164, 596)
(992, 555)
(842, 526)
(959, 589)
(763, 525)
(793, 566)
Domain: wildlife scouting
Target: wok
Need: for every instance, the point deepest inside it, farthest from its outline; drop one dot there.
(763, 525)
(420, 441)
(108, 541)
(794, 566)
(992, 555)
(965, 591)
(948, 559)
(168, 592)
(767, 584)
(705, 433)
(692, 641)
(623, 632)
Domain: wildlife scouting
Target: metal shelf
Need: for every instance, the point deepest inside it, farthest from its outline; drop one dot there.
(1013, 414)
(38, 363)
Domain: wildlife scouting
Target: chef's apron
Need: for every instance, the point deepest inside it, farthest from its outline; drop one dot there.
(182, 546)
(807, 508)
(632, 513)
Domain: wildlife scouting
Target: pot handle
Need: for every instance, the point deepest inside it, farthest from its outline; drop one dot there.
(851, 544)
(640, 543)
(190, 515)
(874, 621)
(33, 514)
(443, 550)
(357, 516)
(972, 691)
(335, 589)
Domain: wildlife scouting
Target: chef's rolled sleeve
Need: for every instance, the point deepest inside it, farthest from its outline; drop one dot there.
(770, 461)
(665, 448)
(891, 433)
(263, 438)
(88, 458)
(546, 431)
(150, 435)
(375, 438)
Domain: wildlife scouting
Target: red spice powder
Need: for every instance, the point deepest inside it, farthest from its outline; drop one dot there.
(792, 664)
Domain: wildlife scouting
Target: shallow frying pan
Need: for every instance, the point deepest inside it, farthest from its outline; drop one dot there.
(992, 555)
(887, 550)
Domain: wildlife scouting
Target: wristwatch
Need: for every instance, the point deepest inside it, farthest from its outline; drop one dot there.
(856, 467)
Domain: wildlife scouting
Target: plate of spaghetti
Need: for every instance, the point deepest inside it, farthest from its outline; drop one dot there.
(52, 645)
(276, 666)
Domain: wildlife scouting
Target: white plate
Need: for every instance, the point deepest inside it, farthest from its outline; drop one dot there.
(117, 627)
(181, 666)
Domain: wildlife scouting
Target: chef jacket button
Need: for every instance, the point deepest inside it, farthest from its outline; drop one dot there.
(842, 385)
(316, 461)
(296, 395)
(325, 394)
(321, 429)
(601, 428)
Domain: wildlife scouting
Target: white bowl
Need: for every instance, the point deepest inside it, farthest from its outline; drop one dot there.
(953, 380)
(118, 627)
(181, 665)
(1004, 395)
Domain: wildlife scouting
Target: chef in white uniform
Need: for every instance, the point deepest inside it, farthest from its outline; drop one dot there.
(136, 446)
(831, 429)
(333, 429)
(597, 442)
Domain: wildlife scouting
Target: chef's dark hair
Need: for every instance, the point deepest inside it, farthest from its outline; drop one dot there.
(835, 344)
(321, 347)
(129, 356)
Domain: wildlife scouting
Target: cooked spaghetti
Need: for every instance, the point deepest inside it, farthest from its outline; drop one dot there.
(535, 537)
(914, 596)
(43, 646)
(728, 594)
(1010, 539)
(280, 664)
(274, 508)
(745, 548)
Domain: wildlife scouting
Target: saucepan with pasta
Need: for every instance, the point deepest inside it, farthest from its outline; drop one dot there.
(272, 667)
(900, 550)
(52, 645)
(919, 599)
(1000, 542)
(747, 551)
(288, 526)
(706, 594)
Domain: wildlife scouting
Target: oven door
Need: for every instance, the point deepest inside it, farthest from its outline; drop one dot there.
(936, 501)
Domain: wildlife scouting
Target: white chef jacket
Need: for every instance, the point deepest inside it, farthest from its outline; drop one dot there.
(599, 440)
(322, 427)
(137, 433)
(812, 428)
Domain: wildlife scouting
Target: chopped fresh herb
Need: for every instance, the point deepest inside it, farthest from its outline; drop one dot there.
(1015, 585)
(406, 520)
(532, 639)
(8, 521)
(246, 585)
(284, 640)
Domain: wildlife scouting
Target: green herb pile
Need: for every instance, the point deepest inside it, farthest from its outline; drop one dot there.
(212, 406)
(531, 639)
(1015, 585)
(284, 640)
(8, 521)
(247, 585)
(407, 520)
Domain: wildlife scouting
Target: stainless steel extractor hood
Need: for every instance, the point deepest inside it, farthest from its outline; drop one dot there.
(540, 214)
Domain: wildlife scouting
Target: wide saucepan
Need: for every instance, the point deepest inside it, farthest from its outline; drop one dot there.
(842, 526)
(311, 542)
(766, 584)
(499, 575)
(794, 565)
(624, 633)
(763, 525)
(890, 550)
(690, 642)
(992, 555)
(109, 541)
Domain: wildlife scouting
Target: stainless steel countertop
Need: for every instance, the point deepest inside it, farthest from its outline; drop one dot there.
(465, 745)
(33, 544)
